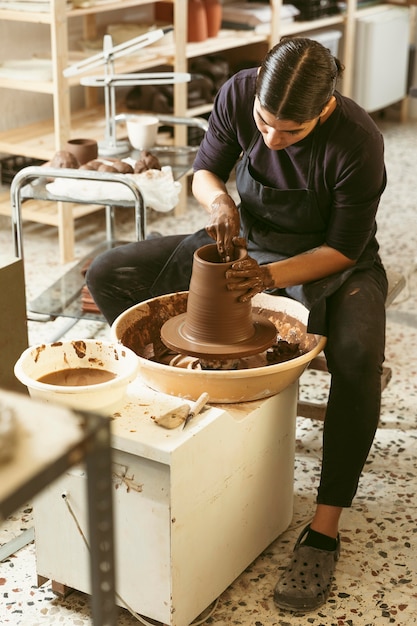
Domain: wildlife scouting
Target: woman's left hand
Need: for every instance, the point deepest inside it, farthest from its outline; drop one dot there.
(249, 275)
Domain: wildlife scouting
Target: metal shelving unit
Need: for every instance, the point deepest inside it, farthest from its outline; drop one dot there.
(50, 440)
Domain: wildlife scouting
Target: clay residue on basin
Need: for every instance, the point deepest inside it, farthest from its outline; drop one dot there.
(292, 337)
(139, 327)
(142, 333)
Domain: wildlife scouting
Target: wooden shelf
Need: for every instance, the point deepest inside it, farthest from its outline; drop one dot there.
(27, 85)
(46, 17)
(45, 212)
(295, 28)
(25, 16)
(102, 7)
(226, 40)
(135, 63)
(38, 140)
(41, 140)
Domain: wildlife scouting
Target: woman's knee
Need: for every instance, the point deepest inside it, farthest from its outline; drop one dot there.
(98, 272)
(356, 344)
(355, 359)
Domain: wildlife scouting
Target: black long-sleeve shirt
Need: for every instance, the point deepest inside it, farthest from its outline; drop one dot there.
(349, 173)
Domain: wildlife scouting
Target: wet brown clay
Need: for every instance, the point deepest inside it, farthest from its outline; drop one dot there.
(216, 324)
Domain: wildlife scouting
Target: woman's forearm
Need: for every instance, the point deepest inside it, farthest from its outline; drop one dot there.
(223, 224)
(297, 270)
(206, 187)
(308, 266)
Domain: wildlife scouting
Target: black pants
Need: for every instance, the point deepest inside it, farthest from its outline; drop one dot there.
(124, 276)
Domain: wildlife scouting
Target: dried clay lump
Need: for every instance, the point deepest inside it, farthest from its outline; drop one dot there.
(146, 161)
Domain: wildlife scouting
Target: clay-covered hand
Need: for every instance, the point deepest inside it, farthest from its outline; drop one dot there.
(224, 225)
(249, 275)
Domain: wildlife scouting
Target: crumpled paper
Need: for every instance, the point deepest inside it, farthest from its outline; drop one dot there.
(159, 189)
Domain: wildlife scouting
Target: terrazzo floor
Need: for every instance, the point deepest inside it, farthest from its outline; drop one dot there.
(376, 576)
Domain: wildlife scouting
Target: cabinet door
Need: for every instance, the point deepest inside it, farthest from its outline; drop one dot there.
(381, 59)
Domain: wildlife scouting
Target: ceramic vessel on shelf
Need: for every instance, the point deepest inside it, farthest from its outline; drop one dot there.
(197, 21)
(84, 150)
(214, 13)
(142, 130)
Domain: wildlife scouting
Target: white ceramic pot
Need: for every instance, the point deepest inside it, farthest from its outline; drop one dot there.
(142, 130)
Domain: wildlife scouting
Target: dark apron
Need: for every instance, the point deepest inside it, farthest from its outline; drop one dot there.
(281, 223)
(277, 224)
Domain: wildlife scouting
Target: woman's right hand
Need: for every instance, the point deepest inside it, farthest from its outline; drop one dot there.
(224, 225)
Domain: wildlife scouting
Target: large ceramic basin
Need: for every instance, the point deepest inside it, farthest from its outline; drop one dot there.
(138, 328)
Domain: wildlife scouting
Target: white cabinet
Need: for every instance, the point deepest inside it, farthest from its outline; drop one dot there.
(193, 508)
(381, 63)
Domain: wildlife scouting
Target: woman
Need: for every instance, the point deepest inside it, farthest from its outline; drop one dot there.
(310, 173)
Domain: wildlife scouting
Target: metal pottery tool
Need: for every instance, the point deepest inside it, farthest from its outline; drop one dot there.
(182, 414)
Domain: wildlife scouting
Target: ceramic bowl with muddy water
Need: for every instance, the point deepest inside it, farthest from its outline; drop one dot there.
(86, 374)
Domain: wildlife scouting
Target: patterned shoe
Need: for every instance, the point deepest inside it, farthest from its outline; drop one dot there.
(305, 583)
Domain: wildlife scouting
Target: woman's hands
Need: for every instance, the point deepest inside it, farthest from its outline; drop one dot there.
(224, 228)
(248, 274)
(224, 225)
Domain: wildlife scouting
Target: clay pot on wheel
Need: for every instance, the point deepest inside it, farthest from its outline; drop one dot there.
(216, 325)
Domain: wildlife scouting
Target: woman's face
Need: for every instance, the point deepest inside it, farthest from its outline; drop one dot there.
(279, 134)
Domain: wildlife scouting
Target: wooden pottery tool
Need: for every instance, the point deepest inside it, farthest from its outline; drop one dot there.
(182, 414)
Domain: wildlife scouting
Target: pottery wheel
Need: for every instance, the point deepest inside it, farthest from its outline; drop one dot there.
(174, 336)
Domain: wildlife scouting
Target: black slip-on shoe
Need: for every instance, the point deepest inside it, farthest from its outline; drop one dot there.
(305, 583)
